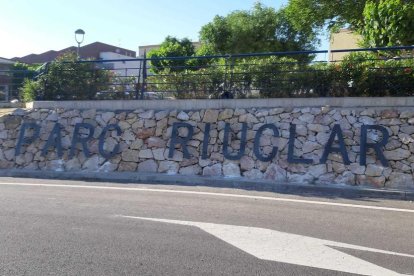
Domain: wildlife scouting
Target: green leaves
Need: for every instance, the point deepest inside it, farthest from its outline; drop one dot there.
(380, 22)
(67, 79)
(313, 15)
(260, 29)
(388, 23)
(29, 90)
(171, 47)
(359, 74)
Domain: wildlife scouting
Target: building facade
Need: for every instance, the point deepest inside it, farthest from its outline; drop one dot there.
(90, 51)
(344, 39)
(5, 78)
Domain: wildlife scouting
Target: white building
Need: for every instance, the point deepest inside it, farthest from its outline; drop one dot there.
(120, 64)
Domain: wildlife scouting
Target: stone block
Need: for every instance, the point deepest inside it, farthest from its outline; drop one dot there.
(374, 170)
(210, 116)
(155, 142)
(130, 155)
(148, 166)
(169, 167)
(183, 116)
(246, 163)
(158, 154)
(214, 170)
(400, 180)
(254, 174)
(231, 170)
(108, 167)
(145, 153)
(355, 168)
(276, 173)
(306, 118)
(149, 114)
(397, 154)
(317, 170)
(190, 170)
(161, 114)
(91, 164)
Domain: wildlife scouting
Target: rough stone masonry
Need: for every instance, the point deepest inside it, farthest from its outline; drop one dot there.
(371, 146)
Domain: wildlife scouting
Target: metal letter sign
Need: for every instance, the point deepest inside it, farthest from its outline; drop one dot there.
(205, 141)
(336, 131)
(256, 146)
(102, 137)
(226, 153)
(77, 139)
(30, 132)
(54, 140)
(176, 139)
(376, 146)
(291, 148)
(27, 140)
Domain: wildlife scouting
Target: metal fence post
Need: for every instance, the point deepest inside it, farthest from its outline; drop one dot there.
(137, 86)
(144, 76)
(224, 88)
(46, 65)
(231, 84)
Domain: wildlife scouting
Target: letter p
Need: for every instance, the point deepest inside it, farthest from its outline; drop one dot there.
(27, 140)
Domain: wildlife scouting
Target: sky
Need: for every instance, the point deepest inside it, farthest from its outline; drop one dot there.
(30, 26)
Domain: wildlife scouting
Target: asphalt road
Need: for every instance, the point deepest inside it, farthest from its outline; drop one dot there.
(52, 227)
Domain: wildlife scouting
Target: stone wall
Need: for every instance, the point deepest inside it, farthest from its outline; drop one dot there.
(139, 140)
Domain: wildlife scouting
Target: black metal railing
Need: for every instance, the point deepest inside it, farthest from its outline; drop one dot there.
(387, 71)
(11, 81)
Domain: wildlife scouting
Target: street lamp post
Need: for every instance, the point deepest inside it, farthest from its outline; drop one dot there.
(79, 36)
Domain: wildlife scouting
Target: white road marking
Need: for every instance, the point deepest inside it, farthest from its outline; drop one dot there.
(214, 194)
(288, 248)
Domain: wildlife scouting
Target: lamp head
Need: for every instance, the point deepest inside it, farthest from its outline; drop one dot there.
(79, 35)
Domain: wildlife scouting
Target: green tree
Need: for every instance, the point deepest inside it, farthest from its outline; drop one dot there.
(261, 29)
(67, 79)
(171, 47)
(314, 15)
(380, 22)
(388, 23)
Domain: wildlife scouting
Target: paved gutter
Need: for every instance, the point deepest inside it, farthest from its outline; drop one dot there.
(345, 191)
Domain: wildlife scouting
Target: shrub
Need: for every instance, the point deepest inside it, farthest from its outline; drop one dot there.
(374, 75)
(21, 72)
(29, 90)
(359, 74)
(67, 79)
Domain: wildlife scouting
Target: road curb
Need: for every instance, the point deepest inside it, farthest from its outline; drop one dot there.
(333, 190)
